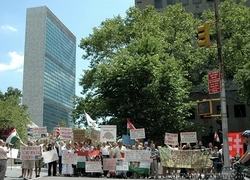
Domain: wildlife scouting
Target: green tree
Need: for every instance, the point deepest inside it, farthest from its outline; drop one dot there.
(143, 68)
(235, 30)
(12, 112)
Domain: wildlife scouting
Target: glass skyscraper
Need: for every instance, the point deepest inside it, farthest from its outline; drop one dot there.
(49, 68)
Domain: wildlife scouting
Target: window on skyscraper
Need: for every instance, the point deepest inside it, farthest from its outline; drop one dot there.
(184, 2)
(196, 1)
(158, 4)
(170, 2)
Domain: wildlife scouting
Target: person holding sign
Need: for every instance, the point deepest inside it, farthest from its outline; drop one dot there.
(3, 158)
(67, 169)
(39, 161)
(52, 164)
(154, 155)
(28, 165)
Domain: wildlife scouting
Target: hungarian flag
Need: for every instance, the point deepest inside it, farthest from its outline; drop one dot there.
(129, 126)
(13, 137)
(216, 137)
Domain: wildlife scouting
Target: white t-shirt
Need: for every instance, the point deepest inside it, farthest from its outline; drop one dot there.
(118, 151)
(105, 150)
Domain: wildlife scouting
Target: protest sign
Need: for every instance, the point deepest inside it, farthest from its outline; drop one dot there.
(108, 133)
(69, 158)
(109, 164)
(95, 135)
(30, 152)
(93, 166)
(195, 159)
(50, 156)
(13, 153)
(122, 166)
(188, 137)
(127, 141)
(171, 139)
(137, 155)
(66, 133)
(39, 133)
(137, 133)
(79, 135)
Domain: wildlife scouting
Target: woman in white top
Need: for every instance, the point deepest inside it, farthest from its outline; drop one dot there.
(67, 169)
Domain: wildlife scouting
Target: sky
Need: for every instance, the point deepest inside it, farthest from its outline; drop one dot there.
(80, 16)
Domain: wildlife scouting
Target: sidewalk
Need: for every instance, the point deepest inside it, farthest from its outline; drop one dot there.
(15, 170)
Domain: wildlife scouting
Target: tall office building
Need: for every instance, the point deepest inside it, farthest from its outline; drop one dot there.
(193, 6)
(49, 68)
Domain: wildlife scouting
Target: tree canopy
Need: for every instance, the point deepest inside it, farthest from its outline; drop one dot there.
(146, 66)
(12, 113)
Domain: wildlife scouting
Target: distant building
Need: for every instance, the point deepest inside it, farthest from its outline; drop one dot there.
(49, 68)
(194, 6)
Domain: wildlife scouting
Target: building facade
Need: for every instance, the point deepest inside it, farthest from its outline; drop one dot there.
(49, 68)
(194, 6)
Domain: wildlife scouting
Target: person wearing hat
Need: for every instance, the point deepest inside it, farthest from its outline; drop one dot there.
(246, 157)
(145, 147)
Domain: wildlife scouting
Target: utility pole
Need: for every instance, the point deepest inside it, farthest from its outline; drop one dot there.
(223, 92)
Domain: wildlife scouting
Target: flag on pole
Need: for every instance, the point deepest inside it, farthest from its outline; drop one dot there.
(57, 132)
(129, 126)
(216, 137)
(13, 137)
(90, 121)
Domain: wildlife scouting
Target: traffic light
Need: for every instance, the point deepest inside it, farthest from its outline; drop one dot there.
(204, 35)
(204, 108)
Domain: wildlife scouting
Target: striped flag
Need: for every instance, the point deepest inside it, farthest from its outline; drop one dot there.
(129, 126)
(13, 137)
(57, 132)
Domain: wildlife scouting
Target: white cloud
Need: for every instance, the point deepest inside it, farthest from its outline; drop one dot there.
(16, 62)
(8, 28)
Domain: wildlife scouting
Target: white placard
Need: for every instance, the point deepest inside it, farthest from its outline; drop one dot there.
(188, 137)
(145, 165)
(121, 166)
(50, 156)
(66, 133)
(13, 153)
(108, 133)
(39, 133)
(171, 139)
(69, 158)
(137, 156)
(30, 152)
(137, 133)
(93, 166)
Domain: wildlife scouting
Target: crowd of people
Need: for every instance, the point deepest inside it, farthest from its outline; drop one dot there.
(111, 150)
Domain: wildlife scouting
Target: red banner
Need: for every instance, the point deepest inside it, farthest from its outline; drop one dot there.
(235, 144)
(88, 153)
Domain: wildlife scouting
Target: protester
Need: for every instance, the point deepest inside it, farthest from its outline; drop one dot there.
(39, 161)
(67, 169)
(3, 159)
(60, 147)
(28, 165)
(104, 150)
(154, 155)
(52, 164)
(119, 150)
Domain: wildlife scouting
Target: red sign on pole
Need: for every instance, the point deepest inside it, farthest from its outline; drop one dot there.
(214, 82)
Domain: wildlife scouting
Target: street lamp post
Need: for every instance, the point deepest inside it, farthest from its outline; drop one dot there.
(223, 91)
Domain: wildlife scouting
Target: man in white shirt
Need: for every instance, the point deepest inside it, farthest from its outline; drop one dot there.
(3, 159)
(119, 150)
